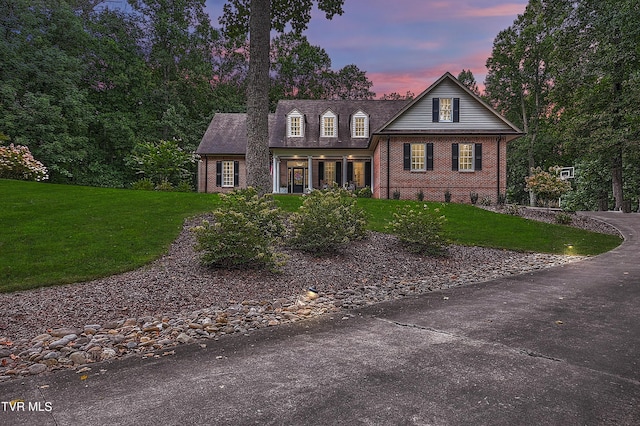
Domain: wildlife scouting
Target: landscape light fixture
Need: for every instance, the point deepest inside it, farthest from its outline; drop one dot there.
(312, 293)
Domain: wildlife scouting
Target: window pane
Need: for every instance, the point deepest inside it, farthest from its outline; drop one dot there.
(446, 109)
(329, 127)
(359, 127)
(466, 156)
(329, 172)
(227, 173)
(295, 126)
(417, 156)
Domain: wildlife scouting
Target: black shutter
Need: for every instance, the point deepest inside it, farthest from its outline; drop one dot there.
(339, 173)
(430, 156)
(218, 173)
(367, 173)
(478, 156)
(407, 156)
(454, 156)
(236, 173)
(320, 173)
(349, 172)
(435, 114)
(456, 110)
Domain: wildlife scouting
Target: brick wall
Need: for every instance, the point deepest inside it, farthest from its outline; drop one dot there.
(207, 173)
(434, 183)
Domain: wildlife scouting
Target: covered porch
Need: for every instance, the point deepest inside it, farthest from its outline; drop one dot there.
(298, 174)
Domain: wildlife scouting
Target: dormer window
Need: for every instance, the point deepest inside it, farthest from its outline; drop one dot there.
(295, 124)
(329, 125)
(360, 125)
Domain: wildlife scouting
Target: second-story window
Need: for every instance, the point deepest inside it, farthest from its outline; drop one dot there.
(360, 125)
(329, 125)
(295, 124)
(446, 110)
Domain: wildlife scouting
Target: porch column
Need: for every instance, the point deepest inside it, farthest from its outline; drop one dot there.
(275, 175)
(344, 171)
(310, 169)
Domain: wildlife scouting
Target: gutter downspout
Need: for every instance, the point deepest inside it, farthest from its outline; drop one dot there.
(388, 165)
(498, 168)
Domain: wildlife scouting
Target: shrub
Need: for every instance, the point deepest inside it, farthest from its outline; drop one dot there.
(420, 195)
(420, 230)
(143, 185)
(244, 232)
(447, 196)
(396, 195)
(364, 192)
(326, 221)
(474, 197)
(548, 186)
(486, 201)
(165, 186)
(563, 218)
(16, 162)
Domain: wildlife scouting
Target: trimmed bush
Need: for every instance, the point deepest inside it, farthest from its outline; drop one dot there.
(326, 221)
(245, 231)
(420, 230)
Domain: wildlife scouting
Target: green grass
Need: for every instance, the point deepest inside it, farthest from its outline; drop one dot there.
(56, 234)
(473, 226)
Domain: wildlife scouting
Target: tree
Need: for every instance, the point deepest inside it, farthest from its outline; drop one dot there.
(300, 69)
(257, 18)
(350, 83)
(519, 80)
(466, 78)
(596, 74)
(394, 96)
(43, 100)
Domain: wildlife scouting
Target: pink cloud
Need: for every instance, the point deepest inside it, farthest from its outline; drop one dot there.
(509, 9)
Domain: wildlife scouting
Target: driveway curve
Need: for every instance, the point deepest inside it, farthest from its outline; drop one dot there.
(555, 347)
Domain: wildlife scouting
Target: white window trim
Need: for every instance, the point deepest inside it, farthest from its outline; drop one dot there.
(471, 167)
(295, 114)
(360, 114)
(323, 129)
(450, 111)
(228, 174)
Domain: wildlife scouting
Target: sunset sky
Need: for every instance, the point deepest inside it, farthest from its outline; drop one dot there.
(405, 45)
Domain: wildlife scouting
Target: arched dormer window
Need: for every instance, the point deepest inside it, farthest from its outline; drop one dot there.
(329, 125)
(295, 124)
(360, 125)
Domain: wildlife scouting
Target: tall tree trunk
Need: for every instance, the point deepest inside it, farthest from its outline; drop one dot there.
(257, 156)
(616, 178)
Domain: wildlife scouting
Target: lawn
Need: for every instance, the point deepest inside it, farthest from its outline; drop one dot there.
(56, 234)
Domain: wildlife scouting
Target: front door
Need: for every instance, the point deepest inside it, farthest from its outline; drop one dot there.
(298, 175)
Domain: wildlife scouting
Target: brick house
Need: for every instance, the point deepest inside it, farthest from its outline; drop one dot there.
(445, 140)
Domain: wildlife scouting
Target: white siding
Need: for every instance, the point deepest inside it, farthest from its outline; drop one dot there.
(473, 114)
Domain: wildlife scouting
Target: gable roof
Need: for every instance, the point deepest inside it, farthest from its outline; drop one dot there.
(379, 112)
(477, 117)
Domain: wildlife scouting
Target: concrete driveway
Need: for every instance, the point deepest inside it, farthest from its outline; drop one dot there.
(555, 347)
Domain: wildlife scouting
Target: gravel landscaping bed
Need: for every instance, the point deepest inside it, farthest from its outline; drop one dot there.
(175, 300)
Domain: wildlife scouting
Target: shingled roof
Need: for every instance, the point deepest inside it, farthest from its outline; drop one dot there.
(227, 133)
(379, 113)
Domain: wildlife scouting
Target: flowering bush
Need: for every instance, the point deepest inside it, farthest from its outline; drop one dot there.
(547, 185)
(243, 234)
(420, 230)
(326, 221)
(16, 162)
